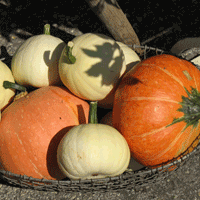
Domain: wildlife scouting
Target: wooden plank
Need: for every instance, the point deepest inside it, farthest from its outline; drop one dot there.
(112, 16)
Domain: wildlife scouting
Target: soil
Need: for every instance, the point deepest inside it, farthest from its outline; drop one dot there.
(23, 19)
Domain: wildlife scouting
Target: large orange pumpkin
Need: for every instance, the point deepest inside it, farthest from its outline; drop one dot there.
(157, 108)
(32, 127)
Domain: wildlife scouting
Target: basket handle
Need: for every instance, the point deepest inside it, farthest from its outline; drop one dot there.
(112, 16)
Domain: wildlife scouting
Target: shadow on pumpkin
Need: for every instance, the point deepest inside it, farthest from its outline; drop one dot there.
(81, 115)
(106, 58)
(109, 66)
(52, 164)
(131, 80)
(131, 65)
(52, 61)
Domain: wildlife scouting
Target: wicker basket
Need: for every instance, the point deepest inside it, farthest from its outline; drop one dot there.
(128, 180)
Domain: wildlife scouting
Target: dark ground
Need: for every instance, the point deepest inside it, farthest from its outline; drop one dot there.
(21, 19)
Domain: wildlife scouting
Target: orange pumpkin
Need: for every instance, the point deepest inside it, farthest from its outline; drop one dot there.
(32, 127)
(156, 109)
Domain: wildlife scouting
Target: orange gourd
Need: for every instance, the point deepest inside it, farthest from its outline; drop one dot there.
(157, 109)
(32, 127)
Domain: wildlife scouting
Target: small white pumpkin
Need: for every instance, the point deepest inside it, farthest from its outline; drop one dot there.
(91, 65)
(91, 151)
(131, 60)
(35, 63)
(6, 95)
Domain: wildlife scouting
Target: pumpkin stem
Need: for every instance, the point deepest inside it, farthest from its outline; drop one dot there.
(47, 29)
(9, 85)
(190, 108)
(93, 113)
(70, 58)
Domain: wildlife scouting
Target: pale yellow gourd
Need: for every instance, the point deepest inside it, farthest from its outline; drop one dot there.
(131, 60)
(35, 63)
(91, 65)
(91, 151)
(6, 95)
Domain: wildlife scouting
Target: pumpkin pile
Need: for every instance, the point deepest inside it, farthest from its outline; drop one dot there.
(37, 129)
(53, 132)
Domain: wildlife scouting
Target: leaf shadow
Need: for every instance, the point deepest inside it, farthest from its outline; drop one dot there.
(109, 66)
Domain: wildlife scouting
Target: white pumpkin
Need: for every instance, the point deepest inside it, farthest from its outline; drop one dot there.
(98, 65)
(35, 63)
(90, 151)
(93, 151)
(6, 95)
(131, 60)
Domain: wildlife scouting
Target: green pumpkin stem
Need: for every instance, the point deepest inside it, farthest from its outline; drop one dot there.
(93, 113)
(190, 108)
(47, 29)
(10, 85)
(70, 58)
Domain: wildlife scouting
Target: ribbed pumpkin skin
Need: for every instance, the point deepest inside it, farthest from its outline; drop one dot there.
(147, 100)
(32, 127)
